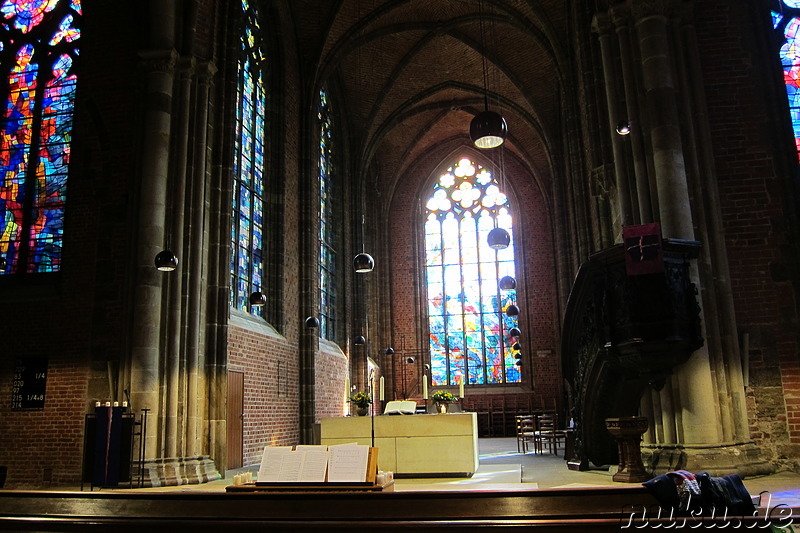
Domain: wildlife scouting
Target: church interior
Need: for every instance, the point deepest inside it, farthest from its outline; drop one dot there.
(227, 219)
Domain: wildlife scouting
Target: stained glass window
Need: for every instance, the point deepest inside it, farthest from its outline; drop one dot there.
(467, 317)
(38, 52)
(247, 230)
(787, 22)
(327, 232)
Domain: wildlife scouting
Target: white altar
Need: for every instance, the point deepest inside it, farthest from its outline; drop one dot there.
(441, 445)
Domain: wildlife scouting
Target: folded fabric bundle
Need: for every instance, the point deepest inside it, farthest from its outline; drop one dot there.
(687, 494)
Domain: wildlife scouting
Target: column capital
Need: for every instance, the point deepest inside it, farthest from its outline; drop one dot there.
(162, 60)
(601, 24)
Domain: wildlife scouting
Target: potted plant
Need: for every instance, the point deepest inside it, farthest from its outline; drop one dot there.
(361, 401)
(442, 398)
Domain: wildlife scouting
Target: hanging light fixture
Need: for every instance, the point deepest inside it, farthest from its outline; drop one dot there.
(390, 351)
(312, 322)
(512, 310)
(3, 262)
(257, 298)
(624, 127)
(358, 341)
(488, 129)
(166, 261)
(498, 238)
(514, 332)
(363, 262)
(507, 283)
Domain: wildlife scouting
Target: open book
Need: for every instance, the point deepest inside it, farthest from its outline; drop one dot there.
(350, 463)
(400, 407)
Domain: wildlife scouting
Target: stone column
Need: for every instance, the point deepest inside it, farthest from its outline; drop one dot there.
(692, 385)
(147, 313)
(603, 27)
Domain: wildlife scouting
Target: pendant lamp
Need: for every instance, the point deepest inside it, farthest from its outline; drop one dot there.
(498, 239)
(512, 310)
(363, 262)
(488, 129)
(312, 322)
(257, 298)
(623, 127)
(507, 283)
(358, 341)
(514, 332)
(166, 261)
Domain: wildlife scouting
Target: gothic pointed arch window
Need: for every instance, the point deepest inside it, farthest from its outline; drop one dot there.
(38, 53)
(467, 310)
(327, 216)
(786, 21)
(249, 165)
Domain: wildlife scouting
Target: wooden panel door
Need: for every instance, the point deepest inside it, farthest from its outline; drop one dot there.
(235, 421)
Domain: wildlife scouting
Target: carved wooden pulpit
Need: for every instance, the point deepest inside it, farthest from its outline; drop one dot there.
(627, 325)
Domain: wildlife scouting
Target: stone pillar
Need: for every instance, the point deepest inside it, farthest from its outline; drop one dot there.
(147, 313)
(603, 27)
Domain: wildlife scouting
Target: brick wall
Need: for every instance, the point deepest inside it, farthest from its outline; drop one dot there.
(758, 209)
(44, 447)
(271, 404)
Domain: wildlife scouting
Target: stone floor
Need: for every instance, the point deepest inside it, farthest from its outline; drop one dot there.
(503, 468)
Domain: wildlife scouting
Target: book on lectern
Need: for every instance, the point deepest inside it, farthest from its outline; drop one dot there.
(400, 407)
(351, 463)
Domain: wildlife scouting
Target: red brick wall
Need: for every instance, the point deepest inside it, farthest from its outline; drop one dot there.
(48, 442)
(331, 374)
(271, 414)
(758, 209)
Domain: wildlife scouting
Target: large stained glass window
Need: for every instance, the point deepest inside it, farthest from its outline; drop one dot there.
(38, 52)
(327, 232)
(467, 317)
(787, 22)
(247, 231)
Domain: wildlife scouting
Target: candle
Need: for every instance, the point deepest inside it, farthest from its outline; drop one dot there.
(381, 389)
(461, 388)
(425, 386)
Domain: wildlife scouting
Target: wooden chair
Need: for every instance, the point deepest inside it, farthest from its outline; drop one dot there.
(547, 431)
(526, 431)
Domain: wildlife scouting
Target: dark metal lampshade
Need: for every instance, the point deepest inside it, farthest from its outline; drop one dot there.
(359, 340)
(514, 332)
(257, 298)
(363, 262)
(624, 127)
(166, 261)
(389, 351)
(498, 239)
(516, 346)
(507, 283)
(312, 322)
(488, 129)
(512, 310)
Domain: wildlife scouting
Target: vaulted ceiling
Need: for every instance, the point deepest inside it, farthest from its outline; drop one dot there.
(411, 76)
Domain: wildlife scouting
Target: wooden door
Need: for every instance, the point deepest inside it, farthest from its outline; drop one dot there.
(235, 421)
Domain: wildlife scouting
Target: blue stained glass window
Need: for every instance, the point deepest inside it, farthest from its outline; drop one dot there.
(787, 23)
(249, 166)
(327, 236)
(38, 72)
(466, 307)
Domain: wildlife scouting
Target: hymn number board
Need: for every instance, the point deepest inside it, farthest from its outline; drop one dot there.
(30, 383)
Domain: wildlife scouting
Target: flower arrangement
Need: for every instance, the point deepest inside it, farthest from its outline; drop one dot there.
(442, 396)
(361, 399)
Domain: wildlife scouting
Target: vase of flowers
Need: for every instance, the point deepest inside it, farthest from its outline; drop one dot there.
(362, 401)
(442, 399)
